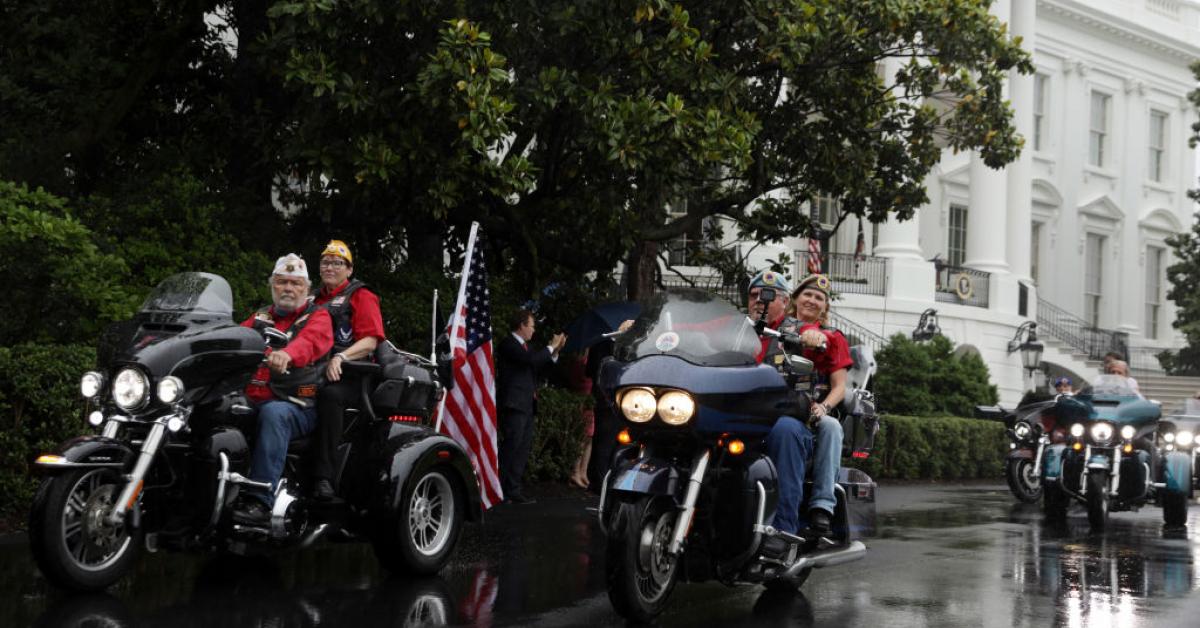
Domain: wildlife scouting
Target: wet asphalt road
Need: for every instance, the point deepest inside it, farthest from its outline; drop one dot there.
(944, 556)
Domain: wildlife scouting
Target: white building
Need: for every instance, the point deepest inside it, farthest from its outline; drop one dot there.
(1072, 234)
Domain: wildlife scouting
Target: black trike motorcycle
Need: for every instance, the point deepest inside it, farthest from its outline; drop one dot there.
(174, 448)
(692, 493)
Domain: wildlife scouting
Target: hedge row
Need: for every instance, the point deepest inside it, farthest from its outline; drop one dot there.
(936, 448)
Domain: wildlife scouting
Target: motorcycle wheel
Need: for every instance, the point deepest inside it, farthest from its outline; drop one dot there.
(1097, 499)
(69, 534)
(420, 537)
(639, 572)
(1054, 501)
(1024, 484)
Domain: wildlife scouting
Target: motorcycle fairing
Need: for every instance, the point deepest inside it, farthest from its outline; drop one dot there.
(1177, 472)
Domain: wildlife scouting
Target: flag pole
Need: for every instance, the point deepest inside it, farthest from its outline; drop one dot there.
(455, 318)
(433, 330)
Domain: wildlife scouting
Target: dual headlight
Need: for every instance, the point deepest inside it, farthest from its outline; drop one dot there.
(1184, 438)
(1102, 431)
(131, 388)
(639, 405)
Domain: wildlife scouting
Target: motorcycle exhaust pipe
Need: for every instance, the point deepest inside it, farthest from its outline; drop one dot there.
(828, 558)
(313, 536)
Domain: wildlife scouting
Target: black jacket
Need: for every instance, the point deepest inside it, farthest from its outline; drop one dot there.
(516, 374)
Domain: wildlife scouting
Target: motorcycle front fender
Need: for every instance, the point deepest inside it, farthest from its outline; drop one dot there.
(1100, 462)
(1177, 472)
(411, 450)
(1023, 453)
(87, 452)
(649, 476)
(1052, 462)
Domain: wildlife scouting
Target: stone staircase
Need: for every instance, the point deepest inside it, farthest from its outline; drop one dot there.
(1171, 390)
(1070, 361)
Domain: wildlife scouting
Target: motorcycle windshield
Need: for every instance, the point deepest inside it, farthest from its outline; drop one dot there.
(1111, 385)
(201, 293)
(692, 325)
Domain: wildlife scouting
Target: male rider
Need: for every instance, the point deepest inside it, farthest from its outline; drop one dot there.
(284, 389)
(357, 330)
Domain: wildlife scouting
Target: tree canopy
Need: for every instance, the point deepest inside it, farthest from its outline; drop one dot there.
(580, 134)
(1184, 274)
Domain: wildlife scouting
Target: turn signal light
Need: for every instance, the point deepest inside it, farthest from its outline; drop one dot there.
(404, 418)
(50, 459)
(736, 447)
(1077, 446)
(624, 438)
(861, 455)
(1127, 448)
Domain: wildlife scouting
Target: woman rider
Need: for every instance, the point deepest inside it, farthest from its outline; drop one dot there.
(790, 444)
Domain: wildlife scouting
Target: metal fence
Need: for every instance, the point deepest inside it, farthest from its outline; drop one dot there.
(715, 284)
(850, 274)
(856, 334)
(1078, 334)
(961, 285)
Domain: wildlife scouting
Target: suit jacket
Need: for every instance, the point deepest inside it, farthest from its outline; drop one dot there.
(516, 374)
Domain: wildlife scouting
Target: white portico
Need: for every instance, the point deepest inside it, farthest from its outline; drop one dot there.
(1072, 234)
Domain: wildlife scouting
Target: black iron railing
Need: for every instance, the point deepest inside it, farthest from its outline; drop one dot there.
(715, 284)
(1078, 334)
(961, 285)
(851, 274)
(856, 334)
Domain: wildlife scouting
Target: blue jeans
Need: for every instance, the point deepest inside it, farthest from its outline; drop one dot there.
(278, 423)
(790, 445)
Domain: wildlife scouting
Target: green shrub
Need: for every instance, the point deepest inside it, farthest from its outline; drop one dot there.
(557, 434)
(39, 408)
(935, 448)
(929, 379)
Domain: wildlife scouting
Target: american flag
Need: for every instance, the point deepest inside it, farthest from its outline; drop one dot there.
(814, 251)
(469, 415)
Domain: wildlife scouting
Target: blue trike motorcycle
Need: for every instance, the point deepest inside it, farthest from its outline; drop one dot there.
(692, 493)
(1116, 455)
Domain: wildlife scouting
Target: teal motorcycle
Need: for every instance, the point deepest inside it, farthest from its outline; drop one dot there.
(1115, 455)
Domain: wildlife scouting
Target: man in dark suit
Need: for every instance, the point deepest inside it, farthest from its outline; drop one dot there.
(516, 394)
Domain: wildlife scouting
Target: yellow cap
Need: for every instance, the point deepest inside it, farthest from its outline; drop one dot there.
(339, 249)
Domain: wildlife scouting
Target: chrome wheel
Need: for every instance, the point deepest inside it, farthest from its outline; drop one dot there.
(655, 566)
(431, 513)
(89, 540)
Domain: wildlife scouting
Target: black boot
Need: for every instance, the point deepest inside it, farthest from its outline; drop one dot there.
(820, 521)
(323, 490)
(252, 512)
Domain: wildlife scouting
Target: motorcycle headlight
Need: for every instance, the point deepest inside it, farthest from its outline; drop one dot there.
(130, 389)
(170, 389)
(1185, 438)
(638, 404)
(1128, 431)
(1022, 430)
(1169, 437)
(1077, 430)
(676, 407)
(1102, 432)
(91, 384)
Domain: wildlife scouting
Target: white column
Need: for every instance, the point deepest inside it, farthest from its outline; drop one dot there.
(1128, 261)
(1020, 172)
(986, 228)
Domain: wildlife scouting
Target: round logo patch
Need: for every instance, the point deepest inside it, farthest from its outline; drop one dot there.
(667, 341)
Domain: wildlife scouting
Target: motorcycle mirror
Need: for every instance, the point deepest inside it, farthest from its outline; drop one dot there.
(275, 339)
(801, 365)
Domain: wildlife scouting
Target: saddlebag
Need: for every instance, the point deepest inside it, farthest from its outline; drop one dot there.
(860, 424)
(406, 389)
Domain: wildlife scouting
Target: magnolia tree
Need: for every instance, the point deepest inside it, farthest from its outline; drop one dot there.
(572, 129)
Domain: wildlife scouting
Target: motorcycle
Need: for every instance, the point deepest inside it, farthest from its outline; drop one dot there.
(1178, 433)
(174, 449)
(1116, 456)
(691, 492)
(1030, 428)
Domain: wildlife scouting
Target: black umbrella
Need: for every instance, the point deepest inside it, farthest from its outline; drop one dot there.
(591, 326)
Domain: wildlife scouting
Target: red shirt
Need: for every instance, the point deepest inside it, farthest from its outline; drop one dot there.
(766, 341)
(365, 317)
(836, 355)
(313, 342)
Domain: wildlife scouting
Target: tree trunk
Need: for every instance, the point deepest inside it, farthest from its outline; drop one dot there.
(640, 270)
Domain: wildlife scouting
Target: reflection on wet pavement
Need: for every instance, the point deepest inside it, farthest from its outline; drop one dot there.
(964, 556)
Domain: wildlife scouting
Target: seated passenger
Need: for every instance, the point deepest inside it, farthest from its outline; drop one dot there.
(790, 444)
(284, 389)
(357, 330)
